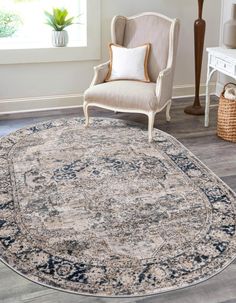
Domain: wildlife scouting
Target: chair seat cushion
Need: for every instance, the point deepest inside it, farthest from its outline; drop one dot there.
(127, 95)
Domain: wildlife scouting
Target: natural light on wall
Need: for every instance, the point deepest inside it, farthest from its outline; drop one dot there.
(27, 27)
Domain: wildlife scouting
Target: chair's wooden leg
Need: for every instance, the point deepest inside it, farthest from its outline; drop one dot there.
(151, 119)
(85, 108)
(168, 117)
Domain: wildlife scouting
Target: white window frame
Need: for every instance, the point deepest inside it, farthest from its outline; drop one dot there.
(62, 54)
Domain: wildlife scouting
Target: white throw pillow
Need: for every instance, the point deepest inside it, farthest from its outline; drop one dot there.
(128, 63)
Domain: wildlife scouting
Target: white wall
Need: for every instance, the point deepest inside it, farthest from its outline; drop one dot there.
(35, 86)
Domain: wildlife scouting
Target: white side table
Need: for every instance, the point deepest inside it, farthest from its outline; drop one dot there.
(222, 60)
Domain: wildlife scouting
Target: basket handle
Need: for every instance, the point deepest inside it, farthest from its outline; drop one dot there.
(224, 89)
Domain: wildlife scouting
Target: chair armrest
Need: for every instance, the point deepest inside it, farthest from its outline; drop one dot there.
(100, 73)
(164, 86)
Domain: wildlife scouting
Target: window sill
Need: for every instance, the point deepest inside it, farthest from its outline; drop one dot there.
(34, 45)
(11, 54)
(48, 54)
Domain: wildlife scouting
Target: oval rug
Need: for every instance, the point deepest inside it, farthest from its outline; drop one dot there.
(102, 212)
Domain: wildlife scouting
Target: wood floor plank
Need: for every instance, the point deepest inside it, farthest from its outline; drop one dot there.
(215, 290)
(217, 154)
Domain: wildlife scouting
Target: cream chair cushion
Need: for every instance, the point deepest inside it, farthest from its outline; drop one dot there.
(129, 95)
(128, 63)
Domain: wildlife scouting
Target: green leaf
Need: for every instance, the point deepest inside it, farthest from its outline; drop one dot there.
(58, 19)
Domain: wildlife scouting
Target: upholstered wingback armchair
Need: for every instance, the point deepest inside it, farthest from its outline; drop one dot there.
(136, 96)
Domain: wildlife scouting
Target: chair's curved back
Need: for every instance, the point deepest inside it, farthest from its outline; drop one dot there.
(161, 31)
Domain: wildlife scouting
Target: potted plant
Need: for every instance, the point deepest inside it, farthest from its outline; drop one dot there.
(59, 20)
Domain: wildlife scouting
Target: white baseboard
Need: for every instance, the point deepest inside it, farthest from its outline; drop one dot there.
(58, 102)
(183, 91)
(44, 103)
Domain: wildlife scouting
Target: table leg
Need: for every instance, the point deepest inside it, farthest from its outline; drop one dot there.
(210, 72)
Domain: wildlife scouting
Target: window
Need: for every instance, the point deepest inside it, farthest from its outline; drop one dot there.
(28, 26)
(85, 40)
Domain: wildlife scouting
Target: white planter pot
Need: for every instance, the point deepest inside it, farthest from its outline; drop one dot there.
(60, 38)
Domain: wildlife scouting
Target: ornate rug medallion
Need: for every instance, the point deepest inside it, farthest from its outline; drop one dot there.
(100, 211)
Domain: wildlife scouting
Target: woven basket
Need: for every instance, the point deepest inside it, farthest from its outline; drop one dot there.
(226, 126)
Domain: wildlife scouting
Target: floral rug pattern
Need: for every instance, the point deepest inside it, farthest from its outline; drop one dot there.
(100, 211)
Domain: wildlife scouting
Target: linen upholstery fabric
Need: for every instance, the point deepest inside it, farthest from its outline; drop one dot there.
(128, 63)
(147, 28)
(101, 72)
(124, 94)
(119, 28)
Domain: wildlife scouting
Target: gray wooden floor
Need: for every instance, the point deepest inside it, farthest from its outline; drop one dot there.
(217, 154)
